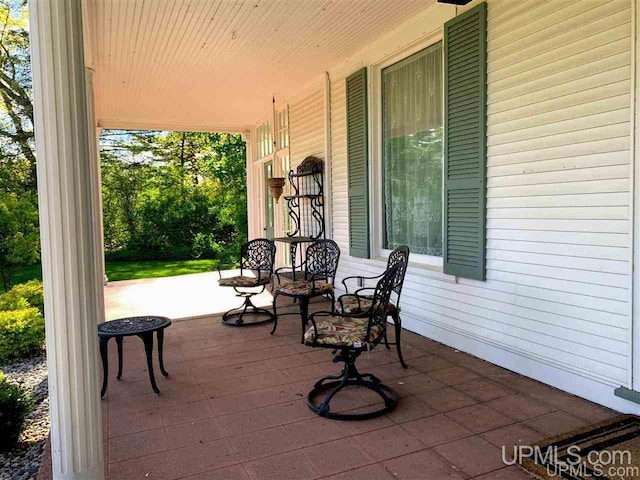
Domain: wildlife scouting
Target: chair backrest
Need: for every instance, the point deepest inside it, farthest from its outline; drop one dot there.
(322, 258)
(381, 297)
(400, 256)
(258, 255)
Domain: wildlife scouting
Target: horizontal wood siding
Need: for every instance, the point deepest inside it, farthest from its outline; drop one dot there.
(339, 166)
(306, 130)
(306, 120)
(558, 201)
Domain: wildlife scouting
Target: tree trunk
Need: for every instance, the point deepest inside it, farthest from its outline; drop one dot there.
(6, 279)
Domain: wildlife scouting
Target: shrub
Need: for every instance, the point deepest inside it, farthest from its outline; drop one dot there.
(24, 295)
(21, 334)
(15, 405)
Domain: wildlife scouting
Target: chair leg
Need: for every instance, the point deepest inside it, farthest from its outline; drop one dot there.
(386, 341)
(275, 313)
(398, 326)
(304, 315)
(332, 296)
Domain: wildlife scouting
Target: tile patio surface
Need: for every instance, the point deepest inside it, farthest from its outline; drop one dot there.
(234, 408)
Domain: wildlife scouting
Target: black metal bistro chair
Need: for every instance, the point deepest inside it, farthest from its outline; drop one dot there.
(319, 268)
(353, 304)
(351, 335)
(256, 257)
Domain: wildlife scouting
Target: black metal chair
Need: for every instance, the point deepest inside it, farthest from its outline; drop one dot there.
(256, 256)
(351, 335)
(319, 272)
(352, 304)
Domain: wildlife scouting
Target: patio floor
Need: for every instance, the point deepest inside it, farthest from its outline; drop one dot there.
(234, 407)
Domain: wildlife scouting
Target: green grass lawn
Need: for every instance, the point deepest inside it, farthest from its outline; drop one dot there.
(130, 270)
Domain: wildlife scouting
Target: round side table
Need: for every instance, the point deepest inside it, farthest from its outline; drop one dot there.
(142, 327)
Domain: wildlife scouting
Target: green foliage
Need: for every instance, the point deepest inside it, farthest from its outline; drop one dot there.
(19, 234)
(17, 157)
(24, 295)
(173, 195)
(21, 334)
(15, 405)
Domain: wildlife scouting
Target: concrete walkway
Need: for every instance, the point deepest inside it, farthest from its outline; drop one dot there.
(184, 296)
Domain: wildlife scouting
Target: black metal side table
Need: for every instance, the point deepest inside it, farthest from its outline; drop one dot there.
(142, 327)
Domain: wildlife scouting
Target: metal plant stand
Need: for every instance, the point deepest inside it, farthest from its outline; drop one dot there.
(305, 208)
(142, 327)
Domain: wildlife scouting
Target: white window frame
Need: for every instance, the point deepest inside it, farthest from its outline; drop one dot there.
(259, 191)
(258, 141)
(376, 213)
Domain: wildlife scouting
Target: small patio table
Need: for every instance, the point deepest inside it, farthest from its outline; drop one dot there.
(142, 327)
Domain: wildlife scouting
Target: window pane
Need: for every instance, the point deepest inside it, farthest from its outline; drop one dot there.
(283, 122)
(264, 140)
(412, 142)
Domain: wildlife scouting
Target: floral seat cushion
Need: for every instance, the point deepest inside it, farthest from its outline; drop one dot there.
(242, 281)
(305, 288)
(342, 332)
(351, 305)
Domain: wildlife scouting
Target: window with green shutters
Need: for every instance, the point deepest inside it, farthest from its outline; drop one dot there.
(358, 164)
(465, 144)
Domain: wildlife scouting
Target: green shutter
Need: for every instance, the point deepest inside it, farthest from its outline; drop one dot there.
(358, 164)
(465, 52)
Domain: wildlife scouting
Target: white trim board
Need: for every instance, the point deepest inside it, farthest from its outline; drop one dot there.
(115, 124)
(634, 376)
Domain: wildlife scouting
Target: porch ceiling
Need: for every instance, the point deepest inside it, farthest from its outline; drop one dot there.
(214, 64)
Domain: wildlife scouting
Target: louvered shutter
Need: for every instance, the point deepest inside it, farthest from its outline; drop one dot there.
(465, 51)
(358, 164)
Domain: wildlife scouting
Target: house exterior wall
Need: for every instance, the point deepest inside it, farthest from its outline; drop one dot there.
(556, 304)
(307, 126)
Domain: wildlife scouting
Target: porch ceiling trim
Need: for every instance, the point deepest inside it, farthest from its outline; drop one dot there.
(170, 126)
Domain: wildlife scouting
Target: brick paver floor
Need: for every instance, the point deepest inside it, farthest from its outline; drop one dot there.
(234, 408)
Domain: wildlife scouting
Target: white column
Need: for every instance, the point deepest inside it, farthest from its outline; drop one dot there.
(67, 179)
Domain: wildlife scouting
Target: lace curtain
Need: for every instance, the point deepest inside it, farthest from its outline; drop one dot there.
(412, 139)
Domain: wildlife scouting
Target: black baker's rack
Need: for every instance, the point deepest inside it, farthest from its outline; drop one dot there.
(305, 207)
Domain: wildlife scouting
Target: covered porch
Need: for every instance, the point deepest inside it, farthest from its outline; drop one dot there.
(543, 291)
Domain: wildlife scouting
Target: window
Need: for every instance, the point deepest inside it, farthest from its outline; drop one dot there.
(264, 140)
(283, 128)
(412, 152)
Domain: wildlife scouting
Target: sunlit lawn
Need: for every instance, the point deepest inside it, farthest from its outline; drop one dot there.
(131, 270)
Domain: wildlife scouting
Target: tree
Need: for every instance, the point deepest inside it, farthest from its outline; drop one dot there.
(16, 121)
(19, 234)
(173, 194)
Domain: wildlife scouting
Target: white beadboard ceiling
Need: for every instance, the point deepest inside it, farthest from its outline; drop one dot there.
(214, 64)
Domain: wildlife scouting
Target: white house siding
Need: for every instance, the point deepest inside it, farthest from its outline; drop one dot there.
(556, 302)
(307, 132)
(339, 174)
(306, 126)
